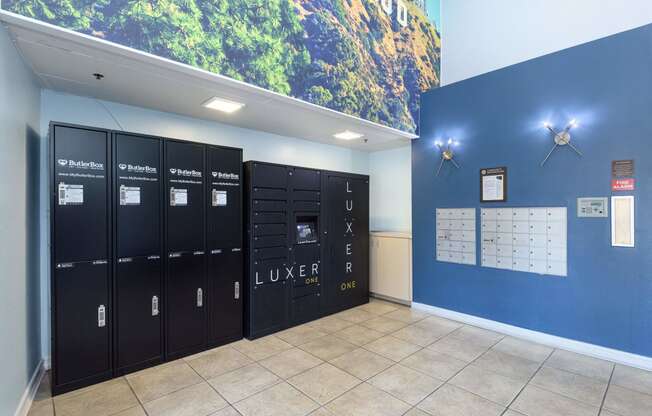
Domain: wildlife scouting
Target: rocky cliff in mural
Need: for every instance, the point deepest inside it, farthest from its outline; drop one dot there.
(367, 58)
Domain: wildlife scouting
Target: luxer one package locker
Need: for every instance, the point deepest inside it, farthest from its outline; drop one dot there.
(296, 271)
(146, 251)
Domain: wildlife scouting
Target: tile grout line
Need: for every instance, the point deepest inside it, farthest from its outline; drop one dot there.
(529, 381)
(458, 372)
(604, 396)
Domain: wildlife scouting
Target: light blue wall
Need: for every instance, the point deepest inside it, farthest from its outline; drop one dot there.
(390, 190)
(497, 118)
(19, 229)
(256, 146)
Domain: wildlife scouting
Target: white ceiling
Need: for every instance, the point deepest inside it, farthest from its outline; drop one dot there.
(65, 61)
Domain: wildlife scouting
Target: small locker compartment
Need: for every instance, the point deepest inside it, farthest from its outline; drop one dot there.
(270, 241)
(269, 309)
(184, 170)
(80, 185)
(224, 276)
(265, 175)
(82, 325)
(269, 229)
(270, 253)
(185, 312)
(139, 308)
(137, 195)
(306, 308)
(269, 217)
(269, 205)
(224, 209)
(305, 179)
(273, 194)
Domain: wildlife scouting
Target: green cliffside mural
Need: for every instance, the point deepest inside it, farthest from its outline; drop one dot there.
(367, 58)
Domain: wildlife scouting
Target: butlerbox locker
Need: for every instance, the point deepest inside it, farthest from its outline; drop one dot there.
(185, 310)
(224, 244)
(80, 255)
(147, 258)
(138, 270)
(306, 245)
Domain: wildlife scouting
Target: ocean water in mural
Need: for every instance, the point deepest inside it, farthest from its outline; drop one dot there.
(367, 58)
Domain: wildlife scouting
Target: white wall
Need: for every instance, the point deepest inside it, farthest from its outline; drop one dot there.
(390, 188)
(482, 35)
(19, 282)
(256, 146)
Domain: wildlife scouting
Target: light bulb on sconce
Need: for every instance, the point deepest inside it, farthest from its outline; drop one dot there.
(446, 153)
(561, 138)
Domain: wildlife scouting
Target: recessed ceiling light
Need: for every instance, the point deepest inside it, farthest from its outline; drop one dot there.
(223, 105)
(348, 135)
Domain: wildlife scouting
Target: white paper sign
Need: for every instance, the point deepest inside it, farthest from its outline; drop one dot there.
(71, 194)
(178, 197)
(129, 195)
(492, 188)
(218, 198)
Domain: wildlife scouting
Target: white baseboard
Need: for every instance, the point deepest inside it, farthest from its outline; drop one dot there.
(47, 363)
(30, 391)
(592, 350)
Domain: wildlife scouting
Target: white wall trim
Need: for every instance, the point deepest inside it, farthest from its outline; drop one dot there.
(30, 391)
(592, 350)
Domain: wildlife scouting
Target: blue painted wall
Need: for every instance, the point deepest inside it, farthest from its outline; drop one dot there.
(497, 118)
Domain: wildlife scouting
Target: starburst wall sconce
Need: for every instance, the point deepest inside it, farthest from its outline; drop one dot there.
(561, 138)
(447, 153)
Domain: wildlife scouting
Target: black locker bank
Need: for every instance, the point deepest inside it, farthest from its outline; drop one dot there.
(146, 251)
(307, 245)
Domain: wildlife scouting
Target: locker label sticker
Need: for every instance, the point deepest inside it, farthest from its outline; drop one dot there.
(218, 198)
(71, 194)
(129, 195)
(178, 197)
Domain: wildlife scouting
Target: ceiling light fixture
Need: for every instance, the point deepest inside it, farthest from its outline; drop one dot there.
(561, 138)
(348, 135)
(223, 105)
(446, 153)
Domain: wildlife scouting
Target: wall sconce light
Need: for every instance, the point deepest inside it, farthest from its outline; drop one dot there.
(446, 153)
(561, 138)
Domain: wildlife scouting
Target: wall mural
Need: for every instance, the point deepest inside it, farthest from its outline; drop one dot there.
(367, 58)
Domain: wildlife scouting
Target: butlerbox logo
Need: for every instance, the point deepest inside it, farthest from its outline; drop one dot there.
(223, 175)
(139, 168)
(185, 172)
(81, 164)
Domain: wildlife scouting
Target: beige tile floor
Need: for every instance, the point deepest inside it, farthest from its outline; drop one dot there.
(379, 359)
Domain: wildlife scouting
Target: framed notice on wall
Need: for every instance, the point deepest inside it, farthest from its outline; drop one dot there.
(493, 184)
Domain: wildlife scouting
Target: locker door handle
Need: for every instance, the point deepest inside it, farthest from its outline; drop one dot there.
(155, 306)
(200, 298)
(101, 316)
(236, 289)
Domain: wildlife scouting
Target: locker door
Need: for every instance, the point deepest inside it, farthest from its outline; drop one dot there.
(225, 300)
(80, 205)
(184, 196)
(348, 247)
(82, 329)
(186, 297)
(138, 313)
(269, 308)
(224, 208)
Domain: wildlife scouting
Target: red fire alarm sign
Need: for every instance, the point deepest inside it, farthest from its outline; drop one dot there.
(627, 184)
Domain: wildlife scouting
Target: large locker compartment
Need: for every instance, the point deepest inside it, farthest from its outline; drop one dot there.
(185, 282)
(267, 249)
(138, 270)
(80, 255)
(224, 244)
(346, 240)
